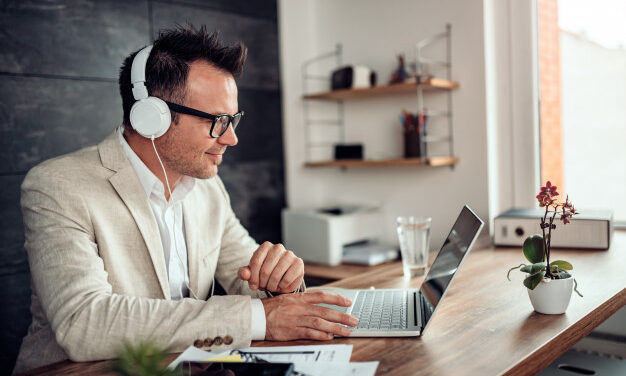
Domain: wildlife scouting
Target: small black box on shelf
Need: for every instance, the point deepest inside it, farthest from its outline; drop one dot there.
(348, 151)
(412, 144)
(352, 77)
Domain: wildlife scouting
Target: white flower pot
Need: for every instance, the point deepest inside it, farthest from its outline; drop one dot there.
(552, 297)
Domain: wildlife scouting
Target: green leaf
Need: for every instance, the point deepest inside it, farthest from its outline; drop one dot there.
(533, 249)
(526, 269)
(142, 359)
(532, 281)
(562, 265)
(536, 268)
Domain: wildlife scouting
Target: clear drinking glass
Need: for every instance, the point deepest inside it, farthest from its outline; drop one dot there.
(414, 238)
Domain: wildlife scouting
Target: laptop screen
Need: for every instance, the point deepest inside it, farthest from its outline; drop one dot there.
(455, 247)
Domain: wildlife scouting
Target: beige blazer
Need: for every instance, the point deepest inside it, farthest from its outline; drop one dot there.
(98, 269)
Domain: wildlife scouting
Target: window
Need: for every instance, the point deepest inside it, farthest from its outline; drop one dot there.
(582, 89)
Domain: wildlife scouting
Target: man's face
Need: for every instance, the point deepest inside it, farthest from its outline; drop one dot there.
(188, 147)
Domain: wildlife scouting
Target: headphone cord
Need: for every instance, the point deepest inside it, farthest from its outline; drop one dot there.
(180, 260)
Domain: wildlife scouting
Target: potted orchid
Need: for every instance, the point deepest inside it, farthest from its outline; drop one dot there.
(549, 283)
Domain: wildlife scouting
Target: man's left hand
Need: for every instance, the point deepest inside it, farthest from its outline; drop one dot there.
(273, 268)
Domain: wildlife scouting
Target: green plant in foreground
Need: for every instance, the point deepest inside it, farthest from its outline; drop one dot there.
(144, 359)
(536, 248)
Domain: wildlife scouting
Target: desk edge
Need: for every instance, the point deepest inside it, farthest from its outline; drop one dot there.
(557, 346)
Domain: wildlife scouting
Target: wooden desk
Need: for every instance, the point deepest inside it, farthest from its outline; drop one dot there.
(343, 271)
(485, 325)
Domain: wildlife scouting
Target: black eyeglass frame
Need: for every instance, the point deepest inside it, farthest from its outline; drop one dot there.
(192, 111)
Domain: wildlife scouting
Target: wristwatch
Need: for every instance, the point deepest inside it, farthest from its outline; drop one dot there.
(301, 288)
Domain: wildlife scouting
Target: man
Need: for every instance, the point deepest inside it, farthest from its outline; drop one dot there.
(126, 238)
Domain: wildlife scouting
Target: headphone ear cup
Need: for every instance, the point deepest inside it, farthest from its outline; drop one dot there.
(150, 117)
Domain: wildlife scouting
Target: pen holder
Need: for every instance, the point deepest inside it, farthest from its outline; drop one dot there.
(412, 144)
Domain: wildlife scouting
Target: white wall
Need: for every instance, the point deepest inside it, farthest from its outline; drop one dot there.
(372, 33)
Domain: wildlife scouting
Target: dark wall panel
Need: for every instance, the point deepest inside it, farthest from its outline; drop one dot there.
(260, 35)
(15, 316)
(257, 195)
(260, 130)
(87, 38)
(14, 275)
(255, 8)
(41, 118)
(11, 228)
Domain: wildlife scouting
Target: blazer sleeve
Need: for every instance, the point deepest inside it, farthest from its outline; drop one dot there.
(89, 321)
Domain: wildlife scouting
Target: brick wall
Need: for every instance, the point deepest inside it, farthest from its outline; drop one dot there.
(550, 94)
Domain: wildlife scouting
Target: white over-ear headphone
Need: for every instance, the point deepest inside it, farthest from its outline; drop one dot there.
(149, 116)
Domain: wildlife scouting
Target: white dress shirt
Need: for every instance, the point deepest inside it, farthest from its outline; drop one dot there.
(169, 218)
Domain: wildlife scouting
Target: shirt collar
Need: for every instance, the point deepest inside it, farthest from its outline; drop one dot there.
(150, 183)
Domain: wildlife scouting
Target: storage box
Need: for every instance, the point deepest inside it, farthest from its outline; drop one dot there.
(591, 229)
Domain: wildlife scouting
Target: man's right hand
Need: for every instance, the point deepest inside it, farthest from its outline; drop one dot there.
(296, 316)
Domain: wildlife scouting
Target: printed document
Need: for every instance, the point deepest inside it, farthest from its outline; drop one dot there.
(317, 360)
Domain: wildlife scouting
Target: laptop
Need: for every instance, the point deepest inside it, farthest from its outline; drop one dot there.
(407, 312)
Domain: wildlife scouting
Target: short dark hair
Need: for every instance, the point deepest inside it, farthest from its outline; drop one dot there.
(168, 64)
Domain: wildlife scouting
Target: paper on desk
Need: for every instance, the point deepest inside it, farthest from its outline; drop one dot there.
(194, 354)
(317, 360)
(295, 354)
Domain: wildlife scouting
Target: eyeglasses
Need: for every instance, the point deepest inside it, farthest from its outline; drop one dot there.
(220, 122)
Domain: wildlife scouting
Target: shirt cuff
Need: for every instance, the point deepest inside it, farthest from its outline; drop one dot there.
(258, 320)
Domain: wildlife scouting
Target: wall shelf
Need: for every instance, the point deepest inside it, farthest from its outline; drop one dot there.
(432, 161)
(403, 88)
(427, 77)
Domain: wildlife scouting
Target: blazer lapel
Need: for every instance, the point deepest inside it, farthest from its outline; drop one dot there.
(129, 188)
(192, 220)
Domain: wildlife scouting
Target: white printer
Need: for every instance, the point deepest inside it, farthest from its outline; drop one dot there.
(319, 235)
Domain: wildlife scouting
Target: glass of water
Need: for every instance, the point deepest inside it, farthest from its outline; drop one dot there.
(414, 238)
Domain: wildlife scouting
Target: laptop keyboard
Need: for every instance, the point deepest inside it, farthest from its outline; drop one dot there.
(381, 310)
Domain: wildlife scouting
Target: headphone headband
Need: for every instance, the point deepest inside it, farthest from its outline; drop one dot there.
(138, 73)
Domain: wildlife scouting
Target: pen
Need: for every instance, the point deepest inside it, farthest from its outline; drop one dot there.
(406, 120)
